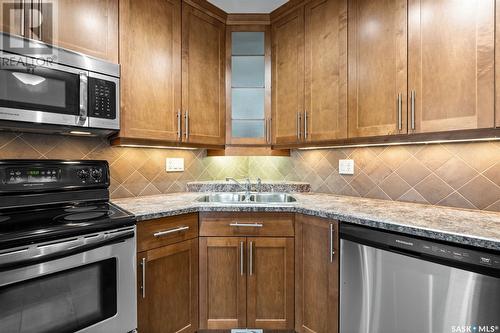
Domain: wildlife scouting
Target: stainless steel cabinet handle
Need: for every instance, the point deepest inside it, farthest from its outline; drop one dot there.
(265, 130)
(305, 125)
(298, 126)
(179, 129)
(270, 128)
(40, 19)
(143, 286)
(252, 225)
(241, 259)
(400, 112)
(170, 231)
(186, 120)
(250, 259)
(332, 251)
(23, 19)
(413, 95)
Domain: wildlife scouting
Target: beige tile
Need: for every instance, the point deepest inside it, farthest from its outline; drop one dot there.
(433, 189)
(350, 191)
(362, 157)
(377, 171)
(495, 207)
(377, 193)
(121, 169)
(493, 174)
(17, 148)
(480, 156)
(121, 192)
(394, 186)
(481, 192)
(456, 200)
(362, 184)
(455, 172)
(136, 183)
(335, 182)
(334, 155)
(395, 156)
(413, 196)
(150, 190)
(6, 137)
(433, 156)
(413, 171)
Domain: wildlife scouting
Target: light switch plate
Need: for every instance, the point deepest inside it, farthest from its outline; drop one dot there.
(174, 164)
(346, 167)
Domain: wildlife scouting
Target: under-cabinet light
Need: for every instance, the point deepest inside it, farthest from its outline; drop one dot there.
(401, 143)
(158, 147)
(80, 133)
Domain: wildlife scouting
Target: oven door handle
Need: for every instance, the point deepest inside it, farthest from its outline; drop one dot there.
(63, 249)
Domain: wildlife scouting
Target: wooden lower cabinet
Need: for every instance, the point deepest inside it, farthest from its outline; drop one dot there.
(222, 282)
(317, 275)
(246, 282)
(270, 284)
(168, 294)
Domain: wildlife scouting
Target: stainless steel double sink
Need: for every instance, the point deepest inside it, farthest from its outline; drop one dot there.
(245, 198)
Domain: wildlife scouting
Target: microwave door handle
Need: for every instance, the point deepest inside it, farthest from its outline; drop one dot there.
(65, 249)
(84, 84)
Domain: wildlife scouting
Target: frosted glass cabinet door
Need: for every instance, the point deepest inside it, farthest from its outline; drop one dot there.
(248, 103)
(248, 71)
(247, 43)
(248, 128)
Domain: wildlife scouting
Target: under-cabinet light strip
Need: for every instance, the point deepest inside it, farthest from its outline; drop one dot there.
(158, 147)
(401, 143)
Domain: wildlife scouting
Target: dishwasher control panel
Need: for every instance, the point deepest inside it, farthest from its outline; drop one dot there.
(416, 246)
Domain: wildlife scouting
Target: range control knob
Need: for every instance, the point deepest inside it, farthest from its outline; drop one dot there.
(83, 174)
(96, 174)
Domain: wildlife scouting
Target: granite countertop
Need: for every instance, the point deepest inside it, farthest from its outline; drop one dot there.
(462, 226)
(264, 186)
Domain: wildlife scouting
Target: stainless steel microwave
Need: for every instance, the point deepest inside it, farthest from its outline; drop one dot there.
(49, 89)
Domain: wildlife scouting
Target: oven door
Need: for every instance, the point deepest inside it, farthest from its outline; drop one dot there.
(92, 290)
(37, 91)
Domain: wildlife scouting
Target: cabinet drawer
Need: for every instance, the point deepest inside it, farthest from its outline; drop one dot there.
(247, 224)
(164, 231)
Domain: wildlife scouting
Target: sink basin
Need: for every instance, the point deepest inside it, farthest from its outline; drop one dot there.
(252, 197)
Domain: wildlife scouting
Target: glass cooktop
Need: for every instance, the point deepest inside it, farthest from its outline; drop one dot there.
(29, 225)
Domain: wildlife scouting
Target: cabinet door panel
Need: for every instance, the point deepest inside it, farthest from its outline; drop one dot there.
(150, 34)
(170, 304)
(287, 76)
(377, 67)
(317, 292)
(270, 283)
(222, 282)
(11, 18)
(451, 63)
(326, 69)
(203, 73)
(86, 26)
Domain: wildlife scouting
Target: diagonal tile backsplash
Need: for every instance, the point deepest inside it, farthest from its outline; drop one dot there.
(465, 175)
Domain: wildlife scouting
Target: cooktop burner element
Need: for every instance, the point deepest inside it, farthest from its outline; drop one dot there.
(86, 216)
(68, 206)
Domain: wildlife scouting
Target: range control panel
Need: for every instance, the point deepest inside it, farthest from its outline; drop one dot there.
(102, 97)
(17, 176)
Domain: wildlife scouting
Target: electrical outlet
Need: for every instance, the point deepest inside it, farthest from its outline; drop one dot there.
(174, 164)
(346, 167)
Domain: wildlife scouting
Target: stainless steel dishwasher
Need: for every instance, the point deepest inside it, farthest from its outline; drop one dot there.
(392, 283)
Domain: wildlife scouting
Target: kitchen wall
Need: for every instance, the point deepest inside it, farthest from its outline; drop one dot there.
(463, 175)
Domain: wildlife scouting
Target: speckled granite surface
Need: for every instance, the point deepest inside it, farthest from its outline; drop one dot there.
(471, 227)
(265, 186)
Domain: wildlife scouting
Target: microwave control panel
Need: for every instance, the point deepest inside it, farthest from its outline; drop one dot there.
(102, 98)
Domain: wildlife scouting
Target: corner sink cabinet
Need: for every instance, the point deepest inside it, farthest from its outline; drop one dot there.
(223, 270)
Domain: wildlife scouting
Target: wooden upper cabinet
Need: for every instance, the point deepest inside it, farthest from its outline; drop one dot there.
(150, 57)
(288, 77)
(377, 67)
(270, 283)
(203, 73)
(170, 301)
(86, 26)
(12, 18)
(222, 282)
(317, 275)
(325, 70)
(451, 64)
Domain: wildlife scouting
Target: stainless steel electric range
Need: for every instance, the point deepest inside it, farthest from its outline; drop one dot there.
(67, 255)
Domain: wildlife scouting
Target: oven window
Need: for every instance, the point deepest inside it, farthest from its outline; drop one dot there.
(39, 89)
(65, 301)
